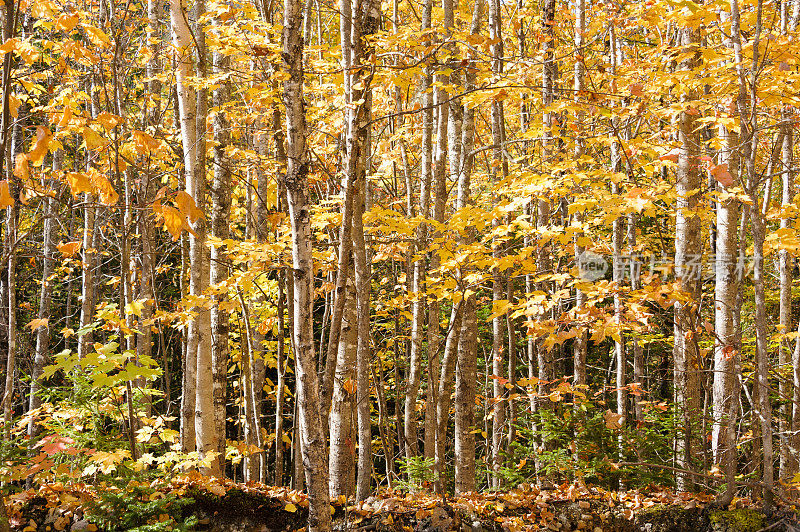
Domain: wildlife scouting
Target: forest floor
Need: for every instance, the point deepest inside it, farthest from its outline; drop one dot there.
(192, 502)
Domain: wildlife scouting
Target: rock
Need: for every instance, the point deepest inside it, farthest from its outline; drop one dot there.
(81, 525)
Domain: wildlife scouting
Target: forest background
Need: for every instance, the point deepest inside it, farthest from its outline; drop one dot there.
(456, 246)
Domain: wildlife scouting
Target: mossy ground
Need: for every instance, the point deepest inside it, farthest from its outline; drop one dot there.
(739, 520)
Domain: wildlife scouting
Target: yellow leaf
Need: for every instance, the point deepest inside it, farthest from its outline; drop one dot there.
(67, 22)
(92, 139)
(109, 121)
(187, 206)
(43, 137)
(78, 183)
(96, 36)
(174, 221)
(350, 386)
(135, 307)
(5, 195)
(107, 194)
(69, 249)
(143, 142)
(13, 105)
(21, 168)
(290, 508)
(36, 323)
(9, 46)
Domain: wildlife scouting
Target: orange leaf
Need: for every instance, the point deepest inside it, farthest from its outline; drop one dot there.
(187, 206)
(92, 139)
(21, 168)
(721, 174)
(36, 323)
(79, 182)
(67, 22)
(5, 195)
(174, 220)
(69, 249)
(43, 137)
(144, 142)
(671, 155)
(107, 194)
(109, 121)
(55, 444)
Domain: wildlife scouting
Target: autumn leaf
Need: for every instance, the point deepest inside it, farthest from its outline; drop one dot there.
(69, 249)
(92, 139)
(174, 220)
(97, 36)
(105, 191)
(290, 508)
(109, 121)
(43, 138)
(613, 420)
(143, 142)
(21, 168)
(671, 155)
(67, 22)
(636, 89)
(721, 174)
(53, 444)
(36, 323)
(187, 206)
(5, 195)
(78, 183)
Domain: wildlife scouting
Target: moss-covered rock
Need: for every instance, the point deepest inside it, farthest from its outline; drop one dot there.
(739, 520)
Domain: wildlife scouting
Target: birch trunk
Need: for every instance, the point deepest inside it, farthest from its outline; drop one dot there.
(43, 333)
(187, 104)
(310, 421)
(341, 469)
(687, 258)
(418, 288)
(220, 228)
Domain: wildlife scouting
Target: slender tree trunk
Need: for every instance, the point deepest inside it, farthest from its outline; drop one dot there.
(280, 385)
(638, 354)
(341, 473)
(726, 331)
(310, 420)
(418, 287)
(220, 222)
(466, 340)
(43, 333)
(363, 351)
(466, 375)
(498, 283)
(187, 103)
(788, 460)
(687, 257)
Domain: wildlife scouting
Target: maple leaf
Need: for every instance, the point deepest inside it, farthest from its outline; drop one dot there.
(43, 138)
(69, 249)
(5, 195)
(54, 443)
(721, 174)
(36, 323)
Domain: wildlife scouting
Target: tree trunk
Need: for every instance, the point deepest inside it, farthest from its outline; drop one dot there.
(419, 305)
(220, 222)
(466, 340)
(687, 258)
(43, 333)
(341, 479)
(311, 430)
